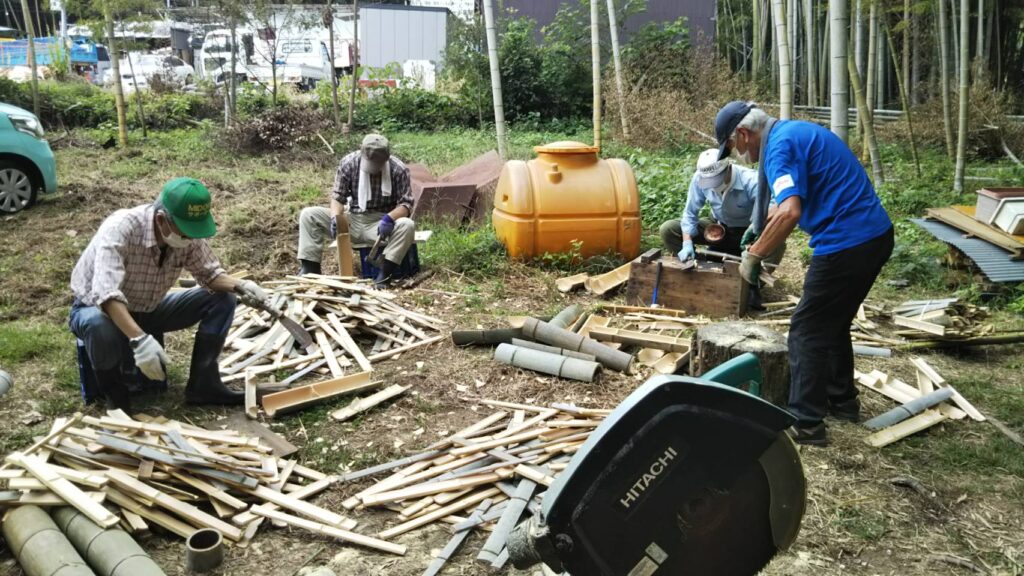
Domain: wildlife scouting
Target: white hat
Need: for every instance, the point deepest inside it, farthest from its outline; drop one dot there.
(710, 169)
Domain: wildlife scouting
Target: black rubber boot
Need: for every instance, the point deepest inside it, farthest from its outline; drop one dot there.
(385, 274)
(308, 267)
(204, 383)
(847, 410)
(114, 389)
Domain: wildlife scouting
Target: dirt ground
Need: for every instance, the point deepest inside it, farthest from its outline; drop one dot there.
(861, 518)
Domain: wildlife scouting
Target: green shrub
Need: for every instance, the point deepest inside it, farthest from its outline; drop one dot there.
(474, 252)
(663, 184)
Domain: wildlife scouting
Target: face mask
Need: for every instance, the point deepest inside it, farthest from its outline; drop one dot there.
(724, 187)
(175, 240)
(743, 158)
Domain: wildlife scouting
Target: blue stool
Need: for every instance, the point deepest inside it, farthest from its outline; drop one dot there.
(410, 264)
(137, 381)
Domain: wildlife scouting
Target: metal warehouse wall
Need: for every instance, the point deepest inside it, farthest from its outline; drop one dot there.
(398, 33)
(700, 13)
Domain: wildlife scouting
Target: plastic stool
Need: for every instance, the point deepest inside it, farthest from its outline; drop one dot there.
(410, 264)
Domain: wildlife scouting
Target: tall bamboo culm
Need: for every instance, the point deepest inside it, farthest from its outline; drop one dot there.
(840, 78)
(862, 110)
(965, 95)
(492, 56)
(782, 53)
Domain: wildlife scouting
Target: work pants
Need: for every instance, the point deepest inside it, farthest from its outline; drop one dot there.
(820, 351)
(108, 347)
(315, 226)
(672, 237)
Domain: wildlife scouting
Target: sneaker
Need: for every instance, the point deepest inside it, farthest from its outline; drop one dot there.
(848, 411)
(814, 436)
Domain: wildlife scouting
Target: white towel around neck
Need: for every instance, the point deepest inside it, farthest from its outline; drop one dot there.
(364, 185)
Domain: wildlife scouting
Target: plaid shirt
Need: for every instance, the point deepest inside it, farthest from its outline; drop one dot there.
(346, 186)
(123, 262)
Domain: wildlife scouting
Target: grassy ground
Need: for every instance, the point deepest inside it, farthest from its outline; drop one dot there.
(858, 521)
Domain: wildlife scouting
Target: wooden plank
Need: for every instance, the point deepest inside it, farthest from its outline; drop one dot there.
(535, 474)
(301, 507)
(333, 532)
(432, 488)
(328, 351)
(962, 218)
(64, 488)
(364, 404)
(182, 509)
(302, 396)
(661, 342)
(252, 409)
(461, 504)
(712, 289)
(162, 519)
(348, 344)
(921, 325)
(912, 425)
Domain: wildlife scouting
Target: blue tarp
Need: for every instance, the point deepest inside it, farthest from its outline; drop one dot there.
(15, 52)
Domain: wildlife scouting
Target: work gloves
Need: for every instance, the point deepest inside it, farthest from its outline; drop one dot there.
(150, 357)
(251, 294)
(749, 237)
(687, 253)
(334, 225)
(386, 226)
(750, 267)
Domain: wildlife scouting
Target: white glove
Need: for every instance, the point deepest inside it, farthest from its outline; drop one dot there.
(150, 357)
(251, 294)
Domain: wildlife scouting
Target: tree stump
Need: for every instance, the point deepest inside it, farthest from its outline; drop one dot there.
(717, 343)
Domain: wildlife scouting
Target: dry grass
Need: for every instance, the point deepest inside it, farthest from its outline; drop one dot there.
(857, 521)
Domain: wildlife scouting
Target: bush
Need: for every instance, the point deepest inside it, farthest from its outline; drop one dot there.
(276, 129)
(413, 109)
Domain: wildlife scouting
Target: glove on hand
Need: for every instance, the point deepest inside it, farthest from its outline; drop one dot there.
(687, 253)
(334, 226)
(386, 226)
(150, 358)
(749, 237)
(251, 294)
(750, 267)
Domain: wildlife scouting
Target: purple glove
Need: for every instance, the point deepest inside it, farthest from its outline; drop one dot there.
(334, 226)
(386, 226)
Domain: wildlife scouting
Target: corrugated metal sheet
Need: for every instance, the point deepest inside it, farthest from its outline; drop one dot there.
(993, 262)
(392, 33)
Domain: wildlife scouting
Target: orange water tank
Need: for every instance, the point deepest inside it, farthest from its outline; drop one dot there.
(567, 193)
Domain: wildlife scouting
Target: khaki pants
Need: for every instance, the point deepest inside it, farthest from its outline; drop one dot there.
(315, 226)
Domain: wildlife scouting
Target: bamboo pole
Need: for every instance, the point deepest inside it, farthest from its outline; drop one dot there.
(947, 114)
(862, 110)
(329, 22)
(115, 67)
(965, 96)
(492, 56)
(840, 102)
(595, 62)
(782, 54)
(31, 29)
(901, 84)
(613, 28)
(812, 70)
(355, 64)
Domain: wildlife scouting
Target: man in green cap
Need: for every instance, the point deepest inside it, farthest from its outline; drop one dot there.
(121, 305)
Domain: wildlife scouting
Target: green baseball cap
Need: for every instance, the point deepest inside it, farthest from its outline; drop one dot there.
(188, 203)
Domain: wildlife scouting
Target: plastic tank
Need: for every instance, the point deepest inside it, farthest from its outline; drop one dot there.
(567, 193)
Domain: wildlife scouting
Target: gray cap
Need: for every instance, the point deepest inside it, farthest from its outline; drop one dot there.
(376, 152)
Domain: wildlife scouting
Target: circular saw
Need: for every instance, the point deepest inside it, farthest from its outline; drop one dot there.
(686, 476)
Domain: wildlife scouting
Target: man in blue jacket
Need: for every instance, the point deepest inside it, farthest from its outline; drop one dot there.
(817, 183)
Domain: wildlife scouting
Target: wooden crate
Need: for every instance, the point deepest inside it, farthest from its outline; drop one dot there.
(713, 289)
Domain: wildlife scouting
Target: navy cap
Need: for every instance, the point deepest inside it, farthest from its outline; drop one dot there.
(728, 118)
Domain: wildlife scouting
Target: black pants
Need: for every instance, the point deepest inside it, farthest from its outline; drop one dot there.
(820, 352)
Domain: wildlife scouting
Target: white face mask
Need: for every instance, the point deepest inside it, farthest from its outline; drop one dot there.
(175, 240)
(725, 186)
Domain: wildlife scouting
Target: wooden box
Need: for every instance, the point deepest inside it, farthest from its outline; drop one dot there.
(713, 289)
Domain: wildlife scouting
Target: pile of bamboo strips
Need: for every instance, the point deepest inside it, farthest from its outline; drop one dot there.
(947, 318)
(145, 471)
(484, 477)
(352, 324)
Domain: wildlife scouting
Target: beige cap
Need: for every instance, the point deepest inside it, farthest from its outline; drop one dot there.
(376, 152)
(710, 169)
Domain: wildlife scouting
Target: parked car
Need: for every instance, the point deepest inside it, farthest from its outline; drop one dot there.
(170, 69)
(27, 165)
